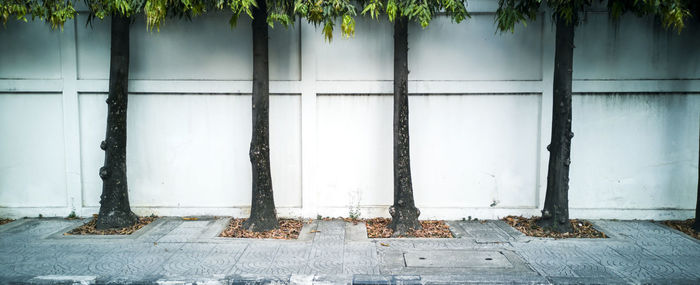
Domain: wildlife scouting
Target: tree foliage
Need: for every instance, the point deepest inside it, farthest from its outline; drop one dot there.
(155, 11)
(421, 11)
(673, 13)
(326, 12)
(54, 12)
(318, 12)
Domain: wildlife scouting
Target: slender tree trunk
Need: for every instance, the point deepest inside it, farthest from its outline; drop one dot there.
(555, 215)
(263, 216)
(696, 225)
(114, 202)
(404, 212)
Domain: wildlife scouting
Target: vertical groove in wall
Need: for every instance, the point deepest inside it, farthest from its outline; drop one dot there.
(308, 44)
(71, 120)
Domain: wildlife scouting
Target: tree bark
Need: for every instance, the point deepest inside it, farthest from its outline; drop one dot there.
(555, 215)
(404, 212)
(115, 211)
(263, 216)
(696, 224)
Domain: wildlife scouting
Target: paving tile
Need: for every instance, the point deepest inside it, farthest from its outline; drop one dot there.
(325, 266)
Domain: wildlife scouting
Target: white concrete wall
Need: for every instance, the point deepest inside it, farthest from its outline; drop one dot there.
(480, 118)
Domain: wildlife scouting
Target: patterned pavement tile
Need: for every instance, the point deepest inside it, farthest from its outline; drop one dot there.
(324, 266)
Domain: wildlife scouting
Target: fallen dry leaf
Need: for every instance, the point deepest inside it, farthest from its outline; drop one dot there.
(377, 228)
(190, 219)
(5, 221)
(314, 231)
(384, 244)
(89, 228)
(288, 229)
(354, 221)
(528, 226)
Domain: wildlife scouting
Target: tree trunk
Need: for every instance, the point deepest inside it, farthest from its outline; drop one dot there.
(404, 212)
(696, 225)
(263, 216)
(114, 202)
(555, 215)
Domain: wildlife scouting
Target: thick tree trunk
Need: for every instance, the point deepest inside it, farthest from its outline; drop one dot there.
(696, 225)
(263, 216)
(404, 212)
(114, 202)
(555, 215)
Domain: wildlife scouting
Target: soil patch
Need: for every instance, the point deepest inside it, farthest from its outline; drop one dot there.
(528, 226)
(684, 226)
(89, 228)
(377, 228)
(288, 229)
(5, 221)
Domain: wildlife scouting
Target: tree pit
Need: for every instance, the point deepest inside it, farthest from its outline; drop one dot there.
(288, 229)
(89, 227)
(378, 228)
(528, 226)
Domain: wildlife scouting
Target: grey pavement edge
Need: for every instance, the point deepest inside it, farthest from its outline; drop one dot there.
(177, 251)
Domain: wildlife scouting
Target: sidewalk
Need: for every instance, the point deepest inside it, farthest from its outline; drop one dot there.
(174, 251)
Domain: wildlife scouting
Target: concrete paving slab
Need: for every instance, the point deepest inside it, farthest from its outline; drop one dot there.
(487, 231)
(456, 258)
(356, 232)
(479, 278)
(395, 262)
(308, 231)
(371, 279)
